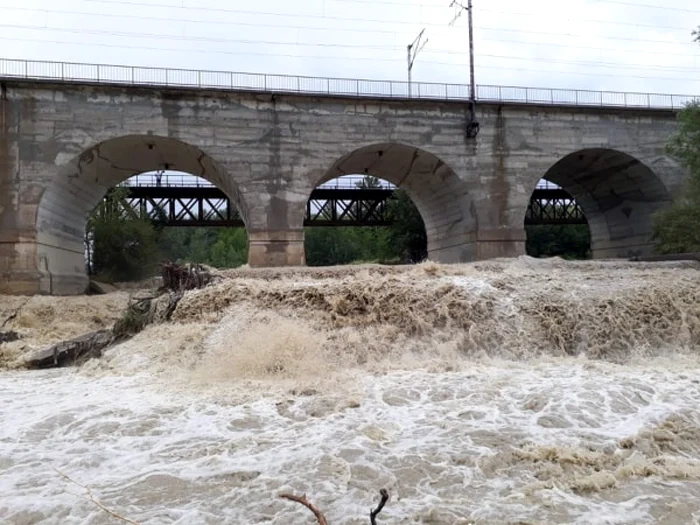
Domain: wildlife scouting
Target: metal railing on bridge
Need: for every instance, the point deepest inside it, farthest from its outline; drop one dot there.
(346, 182)
(237, 81)
(185, 180)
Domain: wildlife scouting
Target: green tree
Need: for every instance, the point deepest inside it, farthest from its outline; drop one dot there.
(407, 237)
(215, 246)
(570, 241)
(677, 228)
(121, 246)
(230, 249)
(685, 146)
(331, 246)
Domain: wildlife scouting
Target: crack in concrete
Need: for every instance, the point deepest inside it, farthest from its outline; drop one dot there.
(414, 158)
(200, 161)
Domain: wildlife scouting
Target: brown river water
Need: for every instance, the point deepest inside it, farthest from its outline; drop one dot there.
(516, 391)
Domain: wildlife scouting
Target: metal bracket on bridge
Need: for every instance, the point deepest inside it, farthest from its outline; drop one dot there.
(472, 128)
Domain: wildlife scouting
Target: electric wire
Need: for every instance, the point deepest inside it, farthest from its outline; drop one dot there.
(336, 58)
(133, 35)
(238, 23)
(307, 16)
(424, 4)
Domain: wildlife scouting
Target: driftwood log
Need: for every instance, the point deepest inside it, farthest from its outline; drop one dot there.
(74, 350)
(139, 314)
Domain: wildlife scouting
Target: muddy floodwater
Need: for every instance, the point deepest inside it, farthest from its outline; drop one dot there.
(506, 392)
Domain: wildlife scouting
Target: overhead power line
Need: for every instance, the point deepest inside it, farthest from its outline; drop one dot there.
(181, 37)
(649, 6)
(424, 5)
(259, 13)
(339, 57)
(286, 44)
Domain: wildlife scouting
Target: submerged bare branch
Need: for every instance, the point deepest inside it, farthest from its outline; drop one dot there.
(89, 495)
(373, 515)
(302, 499)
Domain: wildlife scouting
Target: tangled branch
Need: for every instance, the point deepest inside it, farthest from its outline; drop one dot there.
(322, 519)
(177, 277)
(14, 314)
(302, 499)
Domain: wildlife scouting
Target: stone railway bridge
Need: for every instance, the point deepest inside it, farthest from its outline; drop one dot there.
(63, 144)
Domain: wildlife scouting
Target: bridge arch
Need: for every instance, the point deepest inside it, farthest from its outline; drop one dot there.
(438, 193)
(618, 194)
(83, 181)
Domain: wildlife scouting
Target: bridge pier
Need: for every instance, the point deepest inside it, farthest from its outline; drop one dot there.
(276, 248)
(502, 242)
(18, 272)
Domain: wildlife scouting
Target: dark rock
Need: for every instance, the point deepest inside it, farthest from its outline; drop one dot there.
(8, 337)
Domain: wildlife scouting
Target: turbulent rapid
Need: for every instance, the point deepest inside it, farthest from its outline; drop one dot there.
(515, 391)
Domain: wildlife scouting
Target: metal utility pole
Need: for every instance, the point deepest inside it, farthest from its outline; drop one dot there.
(471, 50)
(472, 125)
(412, 56)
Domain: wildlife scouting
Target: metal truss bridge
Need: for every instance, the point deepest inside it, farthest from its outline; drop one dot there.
(342, 202)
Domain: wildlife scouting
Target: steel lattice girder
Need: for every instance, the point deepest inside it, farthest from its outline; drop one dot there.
(553, 206)
(209, 206)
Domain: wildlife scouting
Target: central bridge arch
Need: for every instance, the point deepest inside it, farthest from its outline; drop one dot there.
(440, 196)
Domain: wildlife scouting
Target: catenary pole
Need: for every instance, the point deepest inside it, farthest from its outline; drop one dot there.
(412, 55)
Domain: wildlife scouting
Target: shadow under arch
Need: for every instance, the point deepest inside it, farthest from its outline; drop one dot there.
(81, 183)
(618, 195)
(441, 197)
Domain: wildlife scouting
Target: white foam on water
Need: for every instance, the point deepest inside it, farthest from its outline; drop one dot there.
(451, 447)
(503, 392)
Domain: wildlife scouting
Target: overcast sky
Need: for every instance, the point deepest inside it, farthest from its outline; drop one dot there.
(626, 45)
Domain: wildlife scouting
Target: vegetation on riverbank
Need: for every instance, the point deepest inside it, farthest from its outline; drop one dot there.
(677, 227)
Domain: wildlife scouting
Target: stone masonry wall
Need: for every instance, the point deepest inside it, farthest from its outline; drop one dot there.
(62, 146)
